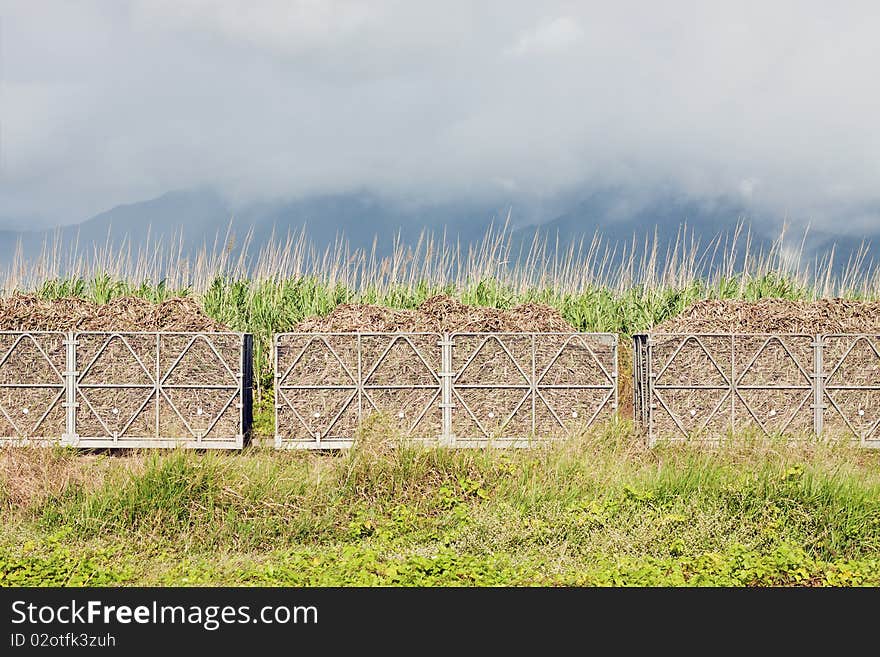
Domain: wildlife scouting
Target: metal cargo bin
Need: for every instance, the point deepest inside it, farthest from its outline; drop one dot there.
(460, 389)
(716, 386)
(161, 389)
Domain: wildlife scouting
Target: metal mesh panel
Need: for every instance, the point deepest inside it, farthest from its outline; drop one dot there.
(158, 389)
(103, 389)
(690, 381)
(32, 386)
(327, 384)
(492, 385)
(852, 387)
(774, 384)
(316, 387)
(532, 386)
(400, 382)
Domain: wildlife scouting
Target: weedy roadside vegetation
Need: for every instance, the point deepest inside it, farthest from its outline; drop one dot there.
(598, 509)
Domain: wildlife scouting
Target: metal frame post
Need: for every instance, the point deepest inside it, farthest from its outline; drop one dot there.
(276, 392)
(640, 381)
(615, 375)
(70, 438)
(447, 437)
(534, 391)
(636, 380)
(157, 393)
(246, 394)
(649, 372)
(734, 394)
(818, 385)
(360, 381)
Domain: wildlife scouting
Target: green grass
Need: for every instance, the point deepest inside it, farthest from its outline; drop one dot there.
(599, 510)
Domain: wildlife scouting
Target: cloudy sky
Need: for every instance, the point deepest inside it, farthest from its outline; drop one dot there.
(109, 101)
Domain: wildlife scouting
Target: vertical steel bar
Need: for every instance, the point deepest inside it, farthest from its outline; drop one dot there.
(646, 367)
(643, 386)
(246, 387)
(242, 344)
(636, 363)
(616, 377)
(360, 381)
(534, 391)
(200, 434)
(447, 437)
(70, 374)
(733, 392)
(643, 381)
(818, 385)
(636, 379)
(276, 394)
(156, 394)
(649, 387)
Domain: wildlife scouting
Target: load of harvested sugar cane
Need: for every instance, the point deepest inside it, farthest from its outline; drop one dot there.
(776, 316)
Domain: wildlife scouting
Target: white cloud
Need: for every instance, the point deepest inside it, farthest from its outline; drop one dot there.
(747, 188)
(105, 101)
(507, 184)
(291, 26)
(551, 36)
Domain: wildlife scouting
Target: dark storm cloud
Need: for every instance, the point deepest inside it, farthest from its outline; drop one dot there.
(110, 102)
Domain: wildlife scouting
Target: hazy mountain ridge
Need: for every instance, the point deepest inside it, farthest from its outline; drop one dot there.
(190, 220)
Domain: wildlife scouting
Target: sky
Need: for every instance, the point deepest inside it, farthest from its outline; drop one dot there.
(105, 102)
